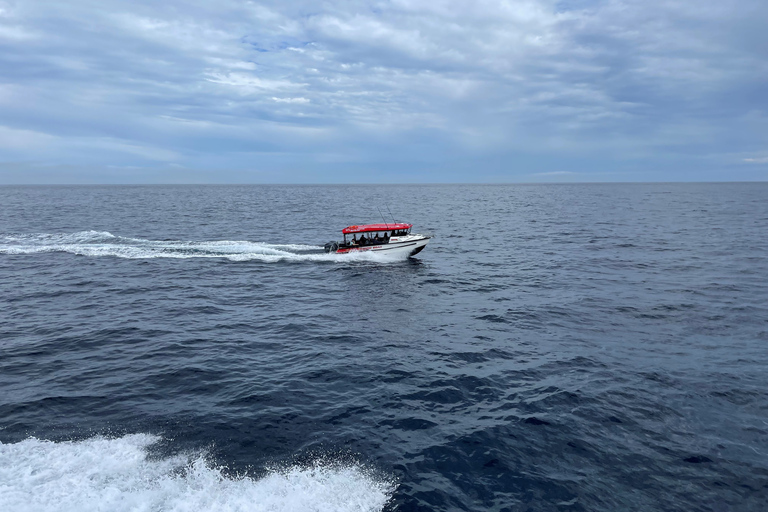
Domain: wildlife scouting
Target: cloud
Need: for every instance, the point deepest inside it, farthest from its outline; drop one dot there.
(763, 160)
(533, 85)
(18, 139)
(553, 173)
(290, 100)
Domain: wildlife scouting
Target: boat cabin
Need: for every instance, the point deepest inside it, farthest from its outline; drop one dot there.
(374, 234)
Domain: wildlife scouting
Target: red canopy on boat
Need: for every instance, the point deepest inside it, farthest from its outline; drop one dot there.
(364, 228)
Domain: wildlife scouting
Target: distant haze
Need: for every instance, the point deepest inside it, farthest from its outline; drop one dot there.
(383, 91)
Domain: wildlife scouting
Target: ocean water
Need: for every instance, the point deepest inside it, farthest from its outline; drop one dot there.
(554, 348)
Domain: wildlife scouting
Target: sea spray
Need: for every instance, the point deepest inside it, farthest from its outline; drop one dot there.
(103, 243)
(116, 475)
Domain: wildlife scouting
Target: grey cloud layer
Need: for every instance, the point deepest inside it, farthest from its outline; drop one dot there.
(390, 91)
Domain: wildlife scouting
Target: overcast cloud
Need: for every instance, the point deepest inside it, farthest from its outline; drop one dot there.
(102, 91)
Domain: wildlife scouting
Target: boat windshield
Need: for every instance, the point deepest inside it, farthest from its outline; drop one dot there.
(368, 237)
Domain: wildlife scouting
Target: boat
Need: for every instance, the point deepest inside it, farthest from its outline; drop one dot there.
(393, 239)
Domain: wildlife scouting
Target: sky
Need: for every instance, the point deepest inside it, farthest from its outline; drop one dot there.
(400, 91)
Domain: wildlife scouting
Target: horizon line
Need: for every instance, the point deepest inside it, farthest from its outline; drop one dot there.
(377, 183)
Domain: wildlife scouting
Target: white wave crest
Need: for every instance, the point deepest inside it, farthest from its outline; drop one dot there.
(103, 243)
(115, 475)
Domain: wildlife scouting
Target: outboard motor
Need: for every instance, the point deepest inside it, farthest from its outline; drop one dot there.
(331, 247)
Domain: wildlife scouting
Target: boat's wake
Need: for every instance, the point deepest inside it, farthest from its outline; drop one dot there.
(115, 474)
(103, 243)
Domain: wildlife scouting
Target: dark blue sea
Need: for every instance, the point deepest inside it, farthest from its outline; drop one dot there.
(595, 347)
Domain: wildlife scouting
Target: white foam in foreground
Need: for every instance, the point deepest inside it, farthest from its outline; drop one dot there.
(103, 243)
(114, 475)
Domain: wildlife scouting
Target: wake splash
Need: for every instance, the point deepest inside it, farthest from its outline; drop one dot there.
(115, 475)
(103, 243)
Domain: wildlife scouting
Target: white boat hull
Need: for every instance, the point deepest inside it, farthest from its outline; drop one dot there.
(400, 247)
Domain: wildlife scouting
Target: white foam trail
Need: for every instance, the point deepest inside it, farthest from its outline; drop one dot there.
(115, 475)
(103, 243)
